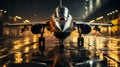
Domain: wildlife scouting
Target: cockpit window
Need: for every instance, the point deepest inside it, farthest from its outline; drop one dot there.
(61, 12)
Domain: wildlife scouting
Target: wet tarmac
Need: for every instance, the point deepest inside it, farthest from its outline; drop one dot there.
(22, 51)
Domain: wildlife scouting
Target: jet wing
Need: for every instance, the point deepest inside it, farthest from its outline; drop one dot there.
(24, 24)
(94, 24)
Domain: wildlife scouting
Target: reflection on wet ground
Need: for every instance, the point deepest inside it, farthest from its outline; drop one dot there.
(24, 51)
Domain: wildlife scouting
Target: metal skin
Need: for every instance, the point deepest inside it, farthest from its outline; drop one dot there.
(61, 23)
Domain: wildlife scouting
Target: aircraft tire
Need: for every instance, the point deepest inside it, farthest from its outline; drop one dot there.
(80, 42)
(61, 46)
(41, 43)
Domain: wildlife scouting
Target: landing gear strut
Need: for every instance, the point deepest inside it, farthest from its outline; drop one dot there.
(80, 40)
(42, 42)
(61, 45)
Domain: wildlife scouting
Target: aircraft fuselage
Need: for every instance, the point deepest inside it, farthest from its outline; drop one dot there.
(61, 23)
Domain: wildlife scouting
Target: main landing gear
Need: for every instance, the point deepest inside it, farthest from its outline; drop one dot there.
(80, 40)
(42, 43)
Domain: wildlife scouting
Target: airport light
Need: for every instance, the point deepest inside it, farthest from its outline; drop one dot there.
(86, 7)
(18, 17)
(91, 63)
(116, 10)
(1, 10)
(113, 12)
(26, 21)
(92, 21)
(108, 14)
(99, 18)
(91, 6)
(98, 3)
(5, 11)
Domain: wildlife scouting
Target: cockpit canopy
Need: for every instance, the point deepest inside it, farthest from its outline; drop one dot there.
(61, 12)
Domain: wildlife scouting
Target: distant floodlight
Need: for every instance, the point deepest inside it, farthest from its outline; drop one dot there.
(1, 10)
(91, 62)
(116, 10)
(5, 11)
(98, 3)
(18, 17)
(92, 21)
(108, 14)
(113, 12)
(99, 18)
(26, 21)
(91, 6)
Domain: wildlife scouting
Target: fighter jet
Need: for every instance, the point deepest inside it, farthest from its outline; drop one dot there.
(62, 24)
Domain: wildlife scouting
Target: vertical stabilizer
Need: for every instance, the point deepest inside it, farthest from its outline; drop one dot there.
(60, 2)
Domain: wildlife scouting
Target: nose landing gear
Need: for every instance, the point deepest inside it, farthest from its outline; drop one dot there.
(61, 44)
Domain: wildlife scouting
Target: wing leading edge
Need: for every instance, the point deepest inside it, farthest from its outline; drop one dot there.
(94, 24)
(25, 24)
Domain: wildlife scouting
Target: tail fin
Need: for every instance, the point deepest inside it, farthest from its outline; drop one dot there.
(60, 2)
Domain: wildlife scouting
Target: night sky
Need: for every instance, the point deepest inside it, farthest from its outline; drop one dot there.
(41, 8)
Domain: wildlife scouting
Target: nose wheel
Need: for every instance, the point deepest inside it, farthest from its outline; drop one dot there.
(61, 45)
(42, 43)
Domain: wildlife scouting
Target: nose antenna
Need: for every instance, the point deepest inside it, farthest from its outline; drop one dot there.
(60, 2)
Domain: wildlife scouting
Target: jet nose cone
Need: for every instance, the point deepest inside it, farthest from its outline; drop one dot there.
(60, 26)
